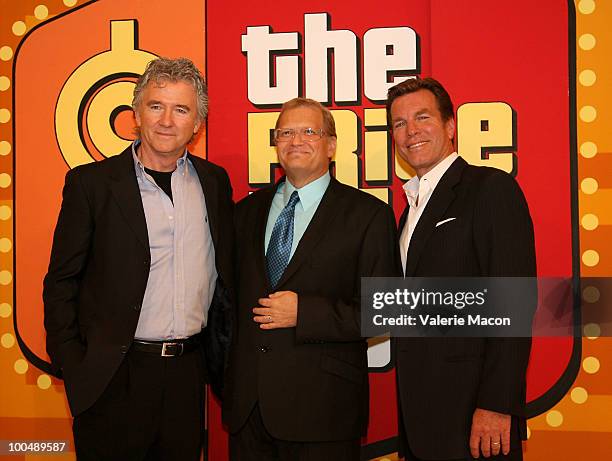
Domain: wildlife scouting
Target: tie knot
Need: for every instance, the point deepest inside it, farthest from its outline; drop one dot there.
(293, 200)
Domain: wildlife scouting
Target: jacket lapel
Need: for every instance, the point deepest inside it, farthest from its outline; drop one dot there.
(210, 189)
(124, 188)
(315, 230)
(403, 219)
(439, 202)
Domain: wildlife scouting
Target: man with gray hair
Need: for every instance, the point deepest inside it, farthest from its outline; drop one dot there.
(138, 293)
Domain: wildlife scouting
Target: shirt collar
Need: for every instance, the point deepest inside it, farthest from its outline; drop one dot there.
(310, 194)
(432, 178)
(140, 167)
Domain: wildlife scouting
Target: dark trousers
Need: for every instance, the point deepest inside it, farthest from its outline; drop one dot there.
(152, 409)
(254, 443)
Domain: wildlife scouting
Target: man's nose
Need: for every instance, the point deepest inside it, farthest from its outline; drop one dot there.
(412, 128)
(297, 138)
(166, 118)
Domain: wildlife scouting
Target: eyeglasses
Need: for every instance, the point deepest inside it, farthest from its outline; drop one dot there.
(307, 134)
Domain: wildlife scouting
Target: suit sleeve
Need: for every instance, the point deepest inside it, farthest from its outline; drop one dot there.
(505, 243)
(325, 319)
(226, 215)
(69, 254)
(221, 317)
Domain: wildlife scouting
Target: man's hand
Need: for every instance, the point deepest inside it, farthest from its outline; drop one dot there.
(490, 432)
(279, 310)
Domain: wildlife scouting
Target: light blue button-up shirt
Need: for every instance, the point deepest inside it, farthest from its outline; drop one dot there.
(310, 197)
(182, 275)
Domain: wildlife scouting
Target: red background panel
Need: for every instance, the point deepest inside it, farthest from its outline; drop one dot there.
(511, 51)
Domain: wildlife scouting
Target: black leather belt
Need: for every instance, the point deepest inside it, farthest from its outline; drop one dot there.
(172, 348)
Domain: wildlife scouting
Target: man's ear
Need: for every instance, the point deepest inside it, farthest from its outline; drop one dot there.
(197, 126)
(331, 147)
(450, 128)
(137, 117)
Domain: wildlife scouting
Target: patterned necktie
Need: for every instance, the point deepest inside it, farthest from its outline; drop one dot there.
(279, 247)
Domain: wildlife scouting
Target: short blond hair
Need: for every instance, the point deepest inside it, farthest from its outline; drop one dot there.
(329, 126)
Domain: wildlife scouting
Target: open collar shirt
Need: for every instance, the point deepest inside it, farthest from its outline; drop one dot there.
(418, 192)
(182, 274)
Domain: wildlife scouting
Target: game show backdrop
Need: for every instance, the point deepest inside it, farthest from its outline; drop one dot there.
(531, 82)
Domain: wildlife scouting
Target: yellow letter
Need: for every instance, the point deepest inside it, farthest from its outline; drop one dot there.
(485, 134)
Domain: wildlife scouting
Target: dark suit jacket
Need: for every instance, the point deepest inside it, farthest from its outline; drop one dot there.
(99, 269)
(311, 381)
(442, 380)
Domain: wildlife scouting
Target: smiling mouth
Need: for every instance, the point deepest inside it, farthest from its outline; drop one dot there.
(417, 145)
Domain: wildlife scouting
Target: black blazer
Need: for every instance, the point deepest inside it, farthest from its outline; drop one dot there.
(441, 381)
(99, 269)
(311, 381)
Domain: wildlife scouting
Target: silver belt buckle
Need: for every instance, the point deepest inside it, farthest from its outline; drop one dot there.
(179, 351)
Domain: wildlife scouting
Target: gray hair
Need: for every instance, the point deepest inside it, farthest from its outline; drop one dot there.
(174, 70)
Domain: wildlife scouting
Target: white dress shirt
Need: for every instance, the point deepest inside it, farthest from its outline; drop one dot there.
(418, 191)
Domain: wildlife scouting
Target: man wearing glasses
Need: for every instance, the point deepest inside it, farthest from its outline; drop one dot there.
(297, 382)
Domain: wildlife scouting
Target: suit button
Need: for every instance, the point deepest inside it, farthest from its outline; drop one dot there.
(263, 349)
(137, 307)
(146, 263)
(124, 349)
